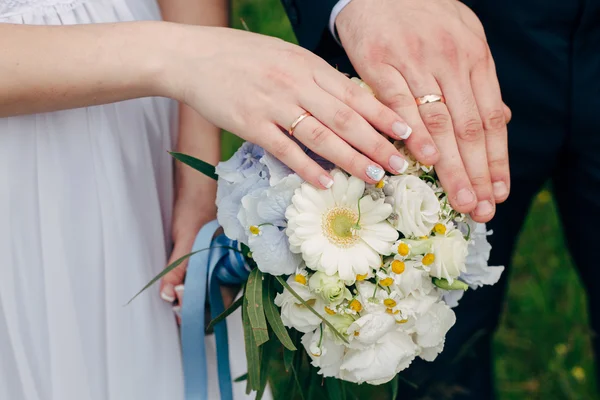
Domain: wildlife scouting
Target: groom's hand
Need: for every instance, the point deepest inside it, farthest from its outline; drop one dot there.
(405, 49)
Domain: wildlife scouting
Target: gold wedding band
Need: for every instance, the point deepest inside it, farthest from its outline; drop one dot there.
(430, 98)
(297, 121)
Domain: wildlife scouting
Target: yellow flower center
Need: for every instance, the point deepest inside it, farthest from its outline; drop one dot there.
(255, 230)
(440, 229)
(403, 249)
(301, 279)
(392, 312)
(380, 184)
(390, 303)
(398, 266)
(428, 259)
(361, 277)
(356, 333)
(355, 305)
(329, 311)
(386, 281)
(339, 226)
(402, 321)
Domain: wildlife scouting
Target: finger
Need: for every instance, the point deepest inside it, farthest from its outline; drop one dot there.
(507, 114)
(171, 282)
(364, 103)
(489, 102)
(288, 152)
(393, 91)
(470, 138)
(353, 129)
(450, 168)
(327, 144)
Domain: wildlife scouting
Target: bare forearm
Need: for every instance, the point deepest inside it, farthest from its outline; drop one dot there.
(47, 68)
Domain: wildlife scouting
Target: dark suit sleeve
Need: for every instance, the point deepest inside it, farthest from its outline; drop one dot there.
(310, 20)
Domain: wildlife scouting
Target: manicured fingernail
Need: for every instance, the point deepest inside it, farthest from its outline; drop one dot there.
(484, 208)
(464, 197)
(326, 181)
(398, 164)
(177, 311)
(428, 150)
(168, 293)
(179, 289)
(402, 130)
(374, 172)
(500, 189)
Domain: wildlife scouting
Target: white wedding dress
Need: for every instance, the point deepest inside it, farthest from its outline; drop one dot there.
(85, 210)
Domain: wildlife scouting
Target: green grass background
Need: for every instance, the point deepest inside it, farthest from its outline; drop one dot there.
(542, 348)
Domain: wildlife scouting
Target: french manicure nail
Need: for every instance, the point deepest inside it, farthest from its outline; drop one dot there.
(168, 293)
(179, 289)
(402, 130)
(500, 189)
(398, 164)
(484, 208)
(326, 181)
(374, 172)
(464, 197)
(428, 150)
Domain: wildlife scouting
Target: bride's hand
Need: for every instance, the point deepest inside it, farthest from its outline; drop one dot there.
(257, 86)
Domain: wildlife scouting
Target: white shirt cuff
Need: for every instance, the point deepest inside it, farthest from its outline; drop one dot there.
(334, 13)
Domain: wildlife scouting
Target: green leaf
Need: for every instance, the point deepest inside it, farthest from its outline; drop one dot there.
(288, 359)
(268, 350)
(395, 385)
(254, 304)
(272, 314)
(174, 265)
(334, 389)
(234, 306)
(300, 389)
(252, 354)
(241, 378)
(199, 165)
(297, 296)
(165, 271)
(444, 284)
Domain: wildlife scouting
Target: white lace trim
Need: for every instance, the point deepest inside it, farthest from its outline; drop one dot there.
(15, 7)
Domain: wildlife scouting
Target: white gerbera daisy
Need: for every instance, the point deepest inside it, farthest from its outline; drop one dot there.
(333, 233)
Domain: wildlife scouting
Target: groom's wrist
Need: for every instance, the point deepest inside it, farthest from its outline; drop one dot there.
(335, 12)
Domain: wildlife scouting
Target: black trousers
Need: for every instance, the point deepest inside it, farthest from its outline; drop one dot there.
(547, 55)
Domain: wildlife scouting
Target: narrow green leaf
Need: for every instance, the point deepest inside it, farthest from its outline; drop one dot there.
(165, 271)
(300, 389)
(395, 383)
(252, 354)
(241, 378)
(272, 314)
(199, 165)
(296, 295)
(234, 306)
(254, 304)
(288, 359)
(268, 350)
(334, 389)
(174, 265)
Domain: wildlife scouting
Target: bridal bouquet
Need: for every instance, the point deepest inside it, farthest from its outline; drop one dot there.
(364, 276)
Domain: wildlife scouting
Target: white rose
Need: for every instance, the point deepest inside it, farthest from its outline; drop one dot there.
(341, 322)
(431, 329)
(324, 352)
(331, 288)
(296, 315)
(370, 328)
(450, 253)
(380, 362)
(416, 206)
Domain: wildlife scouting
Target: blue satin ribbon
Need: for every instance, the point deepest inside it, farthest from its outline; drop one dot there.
(206, 271)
